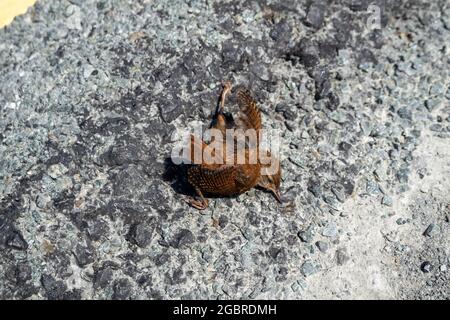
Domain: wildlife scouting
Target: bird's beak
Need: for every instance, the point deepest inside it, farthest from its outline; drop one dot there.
(277, 195)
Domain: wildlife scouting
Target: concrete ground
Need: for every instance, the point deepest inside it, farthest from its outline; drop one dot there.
(93, 92)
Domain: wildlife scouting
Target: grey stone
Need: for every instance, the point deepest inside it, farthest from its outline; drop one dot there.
(84, 255)
(426, 267)
(338, 116)
(378, 131)
(432, 104)
(21, 273)
(431, 230)
(183, 238)
(372, 187)
(436, 127)
(403, 175)
(330, 199)
(122, 289)
(315, 15)
(261, 71)
(307, 52)
(330, 230)
(339, 192)
(342, 257)
(308, 268)
(88, 70)
(281, 31)
(142, 234)
(306, 235)
(128, 180)
(387, 201)
(103, 277)
(404, 113)
(16, 241)
(97, 229)
(315, 188)
(344, 146)
(57, 170)
(74, 19)
(223, 221)
(323, 246)
(278, 254)
(54, 289)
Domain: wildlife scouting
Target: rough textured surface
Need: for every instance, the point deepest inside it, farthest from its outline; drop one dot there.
(91, 93)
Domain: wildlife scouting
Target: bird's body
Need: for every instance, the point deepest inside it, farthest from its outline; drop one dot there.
(224, 178)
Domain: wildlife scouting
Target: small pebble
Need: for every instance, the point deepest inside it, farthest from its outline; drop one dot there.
(341, 257)
(387, 201)
(426, 267)
(322, 246)
(431, 230)
(308, 268)
(306, 236)
(330, 230)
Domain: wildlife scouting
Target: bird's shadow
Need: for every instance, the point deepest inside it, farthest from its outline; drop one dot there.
(176, 176)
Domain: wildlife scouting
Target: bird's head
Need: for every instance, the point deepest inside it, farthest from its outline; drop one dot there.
(270, 179)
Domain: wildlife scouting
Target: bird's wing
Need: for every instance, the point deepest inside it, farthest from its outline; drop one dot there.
(196, 152)
(214, 179)
(250, 115)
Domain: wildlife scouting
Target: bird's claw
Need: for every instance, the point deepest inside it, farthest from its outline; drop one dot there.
(197, 204)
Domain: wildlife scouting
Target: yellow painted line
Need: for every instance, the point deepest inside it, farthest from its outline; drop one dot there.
(12, 8)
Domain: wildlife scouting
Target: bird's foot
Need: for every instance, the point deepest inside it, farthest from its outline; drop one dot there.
(201, 204)
(226, 86)
(225, 91)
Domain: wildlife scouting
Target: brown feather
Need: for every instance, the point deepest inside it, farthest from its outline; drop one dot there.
(250, 114)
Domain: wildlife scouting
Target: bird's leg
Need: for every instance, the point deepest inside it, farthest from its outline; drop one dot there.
(220, 123)
(198, 204)
(225, 91)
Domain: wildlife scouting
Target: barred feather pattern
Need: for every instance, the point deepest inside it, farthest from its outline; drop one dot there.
(251, 116)
(226, 180)
(213, 180)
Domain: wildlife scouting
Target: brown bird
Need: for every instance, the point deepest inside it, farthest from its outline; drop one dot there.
(223, 179)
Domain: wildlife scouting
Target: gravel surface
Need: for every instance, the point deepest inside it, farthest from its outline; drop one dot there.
(91, 93)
